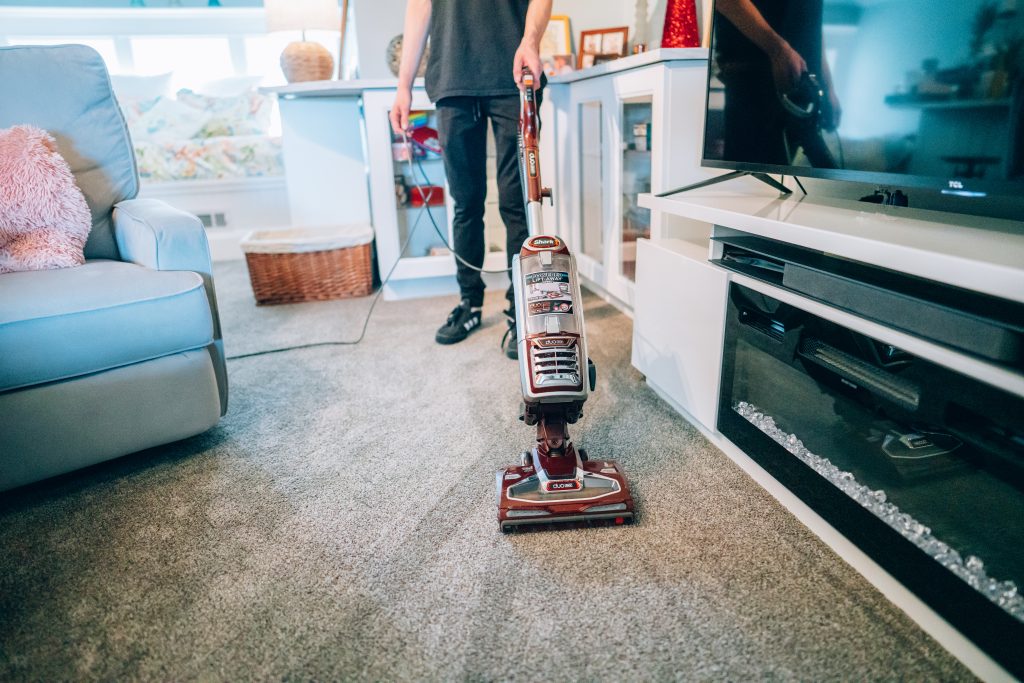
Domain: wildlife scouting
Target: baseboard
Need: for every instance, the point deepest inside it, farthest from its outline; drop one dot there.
(983, 666)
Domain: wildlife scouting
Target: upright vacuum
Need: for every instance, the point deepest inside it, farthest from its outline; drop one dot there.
(555, 482)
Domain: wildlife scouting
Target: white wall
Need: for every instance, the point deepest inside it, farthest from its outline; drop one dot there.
(378, 21)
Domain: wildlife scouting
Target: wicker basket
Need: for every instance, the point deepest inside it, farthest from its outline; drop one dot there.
(310, 264)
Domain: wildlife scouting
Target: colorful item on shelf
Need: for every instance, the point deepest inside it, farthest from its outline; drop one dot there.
(425, 141)
(429, 195)
(401, 190)
(680, 25)
(399, 152)
(641, 137)
(418, 119)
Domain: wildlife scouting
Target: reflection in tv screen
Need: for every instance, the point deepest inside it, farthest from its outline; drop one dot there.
(930, 89)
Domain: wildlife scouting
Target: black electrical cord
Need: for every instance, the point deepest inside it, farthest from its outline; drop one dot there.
(437, 229)
(366, 321)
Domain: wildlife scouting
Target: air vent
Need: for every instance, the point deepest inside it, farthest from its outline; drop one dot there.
(213, 220)
(555, 366)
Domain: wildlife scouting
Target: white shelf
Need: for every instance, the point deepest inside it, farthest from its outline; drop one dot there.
(632, 62)
(336, 88)
(976, 253)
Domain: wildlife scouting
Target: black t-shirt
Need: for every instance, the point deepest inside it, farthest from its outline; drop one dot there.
(799, 22)
(472, 45)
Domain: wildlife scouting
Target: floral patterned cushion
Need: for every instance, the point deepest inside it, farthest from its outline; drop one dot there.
(237, 156)
(202, 137)
(168, 119)
(245, 114)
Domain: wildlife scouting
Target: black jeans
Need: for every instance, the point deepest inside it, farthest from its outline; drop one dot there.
(462, 128)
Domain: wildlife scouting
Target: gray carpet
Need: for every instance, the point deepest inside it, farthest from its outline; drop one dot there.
(339, 524)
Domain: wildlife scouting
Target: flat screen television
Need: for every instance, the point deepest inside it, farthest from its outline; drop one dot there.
(897, 93)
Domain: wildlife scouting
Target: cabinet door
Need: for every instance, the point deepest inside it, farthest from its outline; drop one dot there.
(637, 96)
(406, 236)
(678, 323)
(590, 157)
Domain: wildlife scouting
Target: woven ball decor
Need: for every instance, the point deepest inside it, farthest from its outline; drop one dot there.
(306, 61)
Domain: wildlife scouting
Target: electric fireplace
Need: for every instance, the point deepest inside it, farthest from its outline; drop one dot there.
(917, 462)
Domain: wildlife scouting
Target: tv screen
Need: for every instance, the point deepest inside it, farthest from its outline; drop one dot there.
(903, 93)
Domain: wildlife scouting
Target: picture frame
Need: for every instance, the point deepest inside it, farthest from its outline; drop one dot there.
(556, 65)
(609, 43)
(557, 37)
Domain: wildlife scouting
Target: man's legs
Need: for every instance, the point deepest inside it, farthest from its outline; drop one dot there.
(504, 115)
(462, 130)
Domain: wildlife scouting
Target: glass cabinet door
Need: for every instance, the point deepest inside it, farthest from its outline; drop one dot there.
(591, 144)
(636, 179)
(419, 186)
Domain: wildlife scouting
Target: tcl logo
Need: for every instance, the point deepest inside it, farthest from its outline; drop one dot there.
(570, 485)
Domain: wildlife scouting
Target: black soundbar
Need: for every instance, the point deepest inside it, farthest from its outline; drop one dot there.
(971, 322)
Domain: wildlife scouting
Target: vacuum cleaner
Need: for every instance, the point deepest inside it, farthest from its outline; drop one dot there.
(555, 482)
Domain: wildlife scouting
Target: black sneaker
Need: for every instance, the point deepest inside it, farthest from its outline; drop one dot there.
(512, 349)
(461, 321)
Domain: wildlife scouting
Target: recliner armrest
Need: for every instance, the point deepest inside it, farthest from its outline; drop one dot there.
(154, 234)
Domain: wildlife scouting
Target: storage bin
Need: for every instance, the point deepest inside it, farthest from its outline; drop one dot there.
(310, 264)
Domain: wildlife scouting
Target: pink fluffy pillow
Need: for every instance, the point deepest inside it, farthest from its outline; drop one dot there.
(44, 219)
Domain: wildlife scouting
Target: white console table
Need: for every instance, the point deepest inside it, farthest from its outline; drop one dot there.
(618, 129)
(682, 297)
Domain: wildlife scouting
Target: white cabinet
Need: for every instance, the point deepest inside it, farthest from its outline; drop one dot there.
(678, 323)
(626, 128)
(322, 146)
(422, 268)
(341, 168)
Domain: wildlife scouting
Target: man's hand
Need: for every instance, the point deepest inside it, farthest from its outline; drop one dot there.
(400, 111)
(527, 55)
(787, 67)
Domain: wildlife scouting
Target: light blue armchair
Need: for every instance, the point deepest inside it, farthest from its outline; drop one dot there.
(125, 352)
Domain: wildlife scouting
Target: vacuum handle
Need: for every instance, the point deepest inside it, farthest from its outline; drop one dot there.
(529, 138)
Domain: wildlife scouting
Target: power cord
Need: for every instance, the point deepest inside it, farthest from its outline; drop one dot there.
(426, 202)
(426, 194)
(366, 320)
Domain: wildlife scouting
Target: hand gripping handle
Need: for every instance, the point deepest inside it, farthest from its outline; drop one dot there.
(529, 141)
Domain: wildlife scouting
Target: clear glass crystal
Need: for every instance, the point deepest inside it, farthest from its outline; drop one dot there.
(971, 570)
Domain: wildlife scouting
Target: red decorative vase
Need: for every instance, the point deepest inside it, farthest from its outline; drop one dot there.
(680, 25)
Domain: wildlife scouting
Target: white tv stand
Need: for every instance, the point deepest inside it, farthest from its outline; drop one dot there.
(680, 314)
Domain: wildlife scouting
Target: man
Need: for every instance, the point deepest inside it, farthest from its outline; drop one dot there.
(764, 48)
(477, 53)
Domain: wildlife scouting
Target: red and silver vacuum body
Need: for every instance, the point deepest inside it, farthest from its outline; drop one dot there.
(551, 340)
(555, 482)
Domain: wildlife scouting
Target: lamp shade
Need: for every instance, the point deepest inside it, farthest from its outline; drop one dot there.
(302, 15)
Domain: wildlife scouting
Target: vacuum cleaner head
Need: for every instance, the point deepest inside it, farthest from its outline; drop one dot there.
(529, 497)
